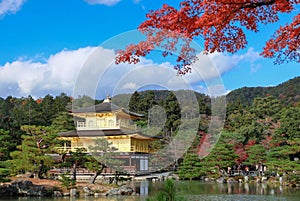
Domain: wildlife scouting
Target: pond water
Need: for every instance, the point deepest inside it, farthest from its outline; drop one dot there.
(195, 190)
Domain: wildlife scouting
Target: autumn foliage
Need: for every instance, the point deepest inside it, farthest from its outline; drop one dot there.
(221, 24)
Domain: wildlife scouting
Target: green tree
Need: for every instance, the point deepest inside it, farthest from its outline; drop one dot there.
(103, 155)
(61, 102)
(47, 110)
(76, 159)
(33, 154)
(238, 119)
(147, 102)
(7, 145)
(168, 193)
(265, 107)
(191, 167)
(285, 158)
(285, 153)
(135, 102)
(172, 110)
(26, 112)
(4, 171)
(254, 131)
(220, 156)
(257, 154)
(63, 122)
(289, 124)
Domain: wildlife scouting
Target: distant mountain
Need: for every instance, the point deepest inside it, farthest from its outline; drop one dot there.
(160, 96)
(287, 92)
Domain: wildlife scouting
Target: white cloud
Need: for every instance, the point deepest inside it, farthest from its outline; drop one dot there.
(58, 74)
(130, 85)
(10, 6)
(103, 2)
(216, 64)
(91, 71)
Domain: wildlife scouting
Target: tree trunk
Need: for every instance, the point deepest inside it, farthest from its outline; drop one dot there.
(259, 168)
(97, 173)
(41, 169)
(74, 172)
(116, 178)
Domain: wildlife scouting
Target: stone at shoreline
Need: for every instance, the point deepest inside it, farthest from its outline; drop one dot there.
(100, 194)
(87, 191)
(66, 194)
(221, 180)
(231, 180)
(8, 190)
(123, 190)
(26, 175)
(57, 194)
(264, 179)
(73, 192)
(27, 188)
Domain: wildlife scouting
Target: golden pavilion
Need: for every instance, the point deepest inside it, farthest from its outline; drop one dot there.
(115, 124)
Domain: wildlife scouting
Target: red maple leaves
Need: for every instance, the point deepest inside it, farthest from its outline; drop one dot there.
(221, 24)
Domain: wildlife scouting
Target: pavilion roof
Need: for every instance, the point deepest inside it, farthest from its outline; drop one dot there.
(105, 107)
(108, 132)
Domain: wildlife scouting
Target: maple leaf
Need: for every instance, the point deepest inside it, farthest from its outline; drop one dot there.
(221, 24)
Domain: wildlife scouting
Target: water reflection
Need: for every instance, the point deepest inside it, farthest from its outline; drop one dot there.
(194, 190)
(143, 188)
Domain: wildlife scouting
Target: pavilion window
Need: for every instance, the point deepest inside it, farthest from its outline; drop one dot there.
(80, 124)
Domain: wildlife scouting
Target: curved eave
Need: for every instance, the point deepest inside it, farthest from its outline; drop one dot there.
(132, 113)
(107, 133)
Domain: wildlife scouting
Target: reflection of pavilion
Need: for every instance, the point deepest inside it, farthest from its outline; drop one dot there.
(114, 124)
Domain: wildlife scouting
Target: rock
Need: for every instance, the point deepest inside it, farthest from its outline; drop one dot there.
(135, 194)
(8, 190)
(206, 179)
(26, 188)
(221, 180)
(87, 191)
(114, 191)
(22, 184)
(173, 176)
(26, 175)
(246, 179)
(100, 194)
(57, 194)
(125, 190)
(231, 180)
(73, 192)
(281, 180)
(264, 179)
(66, 194)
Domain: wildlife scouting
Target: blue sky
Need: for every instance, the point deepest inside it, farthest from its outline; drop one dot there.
(45, 45)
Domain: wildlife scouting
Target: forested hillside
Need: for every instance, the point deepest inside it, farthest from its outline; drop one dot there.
(262, 127)
(287, 92)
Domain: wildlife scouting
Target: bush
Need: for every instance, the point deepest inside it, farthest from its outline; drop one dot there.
(293, 179)
(66, 181)
(4, 173)
(168, 193)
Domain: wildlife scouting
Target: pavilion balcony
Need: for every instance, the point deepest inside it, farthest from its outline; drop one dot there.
(106, 126)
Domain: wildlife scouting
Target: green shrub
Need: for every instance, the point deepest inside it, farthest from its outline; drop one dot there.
(167, 194)
(67, 181)
(4, 173)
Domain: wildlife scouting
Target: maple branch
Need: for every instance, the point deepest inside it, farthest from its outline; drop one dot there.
(252, 4)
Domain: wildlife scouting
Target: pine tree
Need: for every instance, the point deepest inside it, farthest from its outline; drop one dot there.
(33, 155)
(103, 155)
